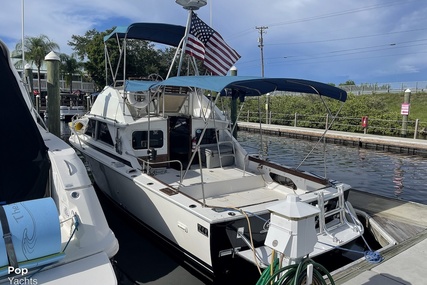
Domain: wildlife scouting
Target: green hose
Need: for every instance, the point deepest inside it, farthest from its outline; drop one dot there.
(294, 274)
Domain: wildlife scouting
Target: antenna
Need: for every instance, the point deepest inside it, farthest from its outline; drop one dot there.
(261, 46)
(191, 4)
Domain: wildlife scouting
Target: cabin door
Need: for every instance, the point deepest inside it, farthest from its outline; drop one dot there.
(180, 139)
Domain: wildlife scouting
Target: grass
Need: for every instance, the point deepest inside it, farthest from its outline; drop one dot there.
(418, 107)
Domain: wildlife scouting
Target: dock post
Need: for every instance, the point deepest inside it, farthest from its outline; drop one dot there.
(405, 112)
(52, 107)
(417, 122)
(38, 104)
(29, 79)
(88, 106)
(233, 107)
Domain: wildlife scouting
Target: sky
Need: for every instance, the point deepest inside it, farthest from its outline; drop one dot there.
(332, 41)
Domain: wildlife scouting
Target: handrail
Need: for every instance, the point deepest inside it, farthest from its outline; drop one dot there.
(289, 170)
(148, 163)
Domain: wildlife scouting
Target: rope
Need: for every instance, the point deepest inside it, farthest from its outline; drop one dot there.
(373, 256)
(76, 224)
(370, 255)
(250, 237)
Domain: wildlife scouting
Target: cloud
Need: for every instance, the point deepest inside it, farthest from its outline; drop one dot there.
(319, 40)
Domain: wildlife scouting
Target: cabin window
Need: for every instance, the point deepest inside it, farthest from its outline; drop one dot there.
(90, 130)
(140, 139)
(208, 138)
(104, 134)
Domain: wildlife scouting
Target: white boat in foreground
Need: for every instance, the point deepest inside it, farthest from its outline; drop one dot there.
(53, 228)
(165, 153)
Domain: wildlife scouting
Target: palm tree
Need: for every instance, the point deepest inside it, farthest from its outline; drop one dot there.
(70, 66)
(36, 48)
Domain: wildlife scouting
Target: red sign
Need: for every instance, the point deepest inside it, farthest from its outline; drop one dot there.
(404, 110)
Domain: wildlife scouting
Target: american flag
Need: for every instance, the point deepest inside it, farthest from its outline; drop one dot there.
(206, 44)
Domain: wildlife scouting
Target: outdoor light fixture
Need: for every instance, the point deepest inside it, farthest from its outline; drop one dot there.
(191, 4)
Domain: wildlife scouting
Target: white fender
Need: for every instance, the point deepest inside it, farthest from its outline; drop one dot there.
(79, 125)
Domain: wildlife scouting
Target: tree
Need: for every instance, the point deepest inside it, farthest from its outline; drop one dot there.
(69, 67)
(348, 82)
(90, 48)
(142, 57)
(36, 48)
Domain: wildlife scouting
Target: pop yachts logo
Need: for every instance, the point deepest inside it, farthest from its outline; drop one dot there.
(20, 278)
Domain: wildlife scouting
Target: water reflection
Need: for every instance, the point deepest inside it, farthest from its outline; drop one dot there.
(398, 178)
(384, 173)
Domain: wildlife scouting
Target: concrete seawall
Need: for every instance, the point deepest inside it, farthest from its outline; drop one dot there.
(384, 143)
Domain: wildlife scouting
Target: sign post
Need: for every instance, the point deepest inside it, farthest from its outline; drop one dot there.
(404, 111)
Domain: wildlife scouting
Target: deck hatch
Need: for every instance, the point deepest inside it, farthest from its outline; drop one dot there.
(169, 191)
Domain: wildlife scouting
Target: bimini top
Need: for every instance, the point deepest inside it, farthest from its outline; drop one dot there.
(254, 86)
(155, 32)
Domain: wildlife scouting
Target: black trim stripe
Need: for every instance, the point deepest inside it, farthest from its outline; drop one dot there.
(118, 158)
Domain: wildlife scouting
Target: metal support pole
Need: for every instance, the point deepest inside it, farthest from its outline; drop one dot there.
(233, 107)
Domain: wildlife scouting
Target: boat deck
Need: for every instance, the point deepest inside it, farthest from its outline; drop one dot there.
(223, 187)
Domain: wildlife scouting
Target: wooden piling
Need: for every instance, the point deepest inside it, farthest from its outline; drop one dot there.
(53, 104)
(29, 80)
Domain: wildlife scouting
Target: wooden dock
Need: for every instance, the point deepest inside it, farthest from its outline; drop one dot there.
(383, 143)
(403, 262)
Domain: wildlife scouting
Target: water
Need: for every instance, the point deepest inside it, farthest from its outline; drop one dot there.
(384, 173)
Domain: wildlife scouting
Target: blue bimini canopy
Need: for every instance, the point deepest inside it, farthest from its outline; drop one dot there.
(134, 86)
(154, 32)
(255, 86)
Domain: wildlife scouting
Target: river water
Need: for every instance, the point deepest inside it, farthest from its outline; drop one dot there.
(384, 173)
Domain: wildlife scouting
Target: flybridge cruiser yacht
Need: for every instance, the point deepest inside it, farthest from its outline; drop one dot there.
(53, 229)
(164, 151)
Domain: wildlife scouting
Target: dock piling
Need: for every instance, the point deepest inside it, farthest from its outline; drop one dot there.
(52, 106)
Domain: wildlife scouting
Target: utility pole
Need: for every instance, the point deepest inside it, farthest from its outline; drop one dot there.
(261, 46)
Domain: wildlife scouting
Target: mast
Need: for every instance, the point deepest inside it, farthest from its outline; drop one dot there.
(22, 43)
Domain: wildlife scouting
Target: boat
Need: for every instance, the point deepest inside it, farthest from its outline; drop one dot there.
(53, 228)
(71, 105)
(164, 151)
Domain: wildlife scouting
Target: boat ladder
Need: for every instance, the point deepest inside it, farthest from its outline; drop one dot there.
(342, 211)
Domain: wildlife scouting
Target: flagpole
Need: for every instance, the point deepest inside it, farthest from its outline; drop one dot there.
(184, 44)
(189, 5)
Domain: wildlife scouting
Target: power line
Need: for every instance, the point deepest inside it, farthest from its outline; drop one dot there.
(345, 12)
(330, 15)
(348, 38)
